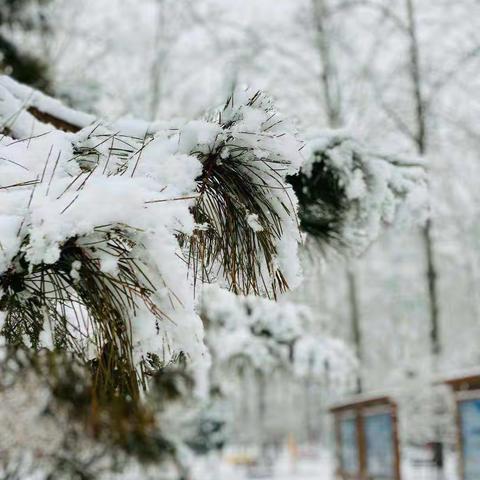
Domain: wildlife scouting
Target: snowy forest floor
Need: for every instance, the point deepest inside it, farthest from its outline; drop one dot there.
(320, 467)
(284, 469)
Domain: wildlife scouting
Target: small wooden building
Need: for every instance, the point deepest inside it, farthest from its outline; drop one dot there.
(466, 389)
(366, 431)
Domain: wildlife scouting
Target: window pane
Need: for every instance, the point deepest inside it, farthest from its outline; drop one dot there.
(349, 447)
(380, 449)
(470, 425)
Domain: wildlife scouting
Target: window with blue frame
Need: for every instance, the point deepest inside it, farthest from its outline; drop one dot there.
(470, 431)
(349, 446)
(380, 453)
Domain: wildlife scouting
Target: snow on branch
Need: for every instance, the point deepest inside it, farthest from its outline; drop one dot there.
(268, 335)
(246, 213)
(41, 107)
(104, 205)
(347, 193)
(106, 228)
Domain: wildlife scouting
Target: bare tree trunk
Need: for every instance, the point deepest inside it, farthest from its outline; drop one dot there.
(332, 99)
(158, 61)
(355, 318)
(262, 410)
(329, 81)
(421, 145)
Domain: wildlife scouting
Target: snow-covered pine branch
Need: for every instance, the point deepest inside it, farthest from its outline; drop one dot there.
(348, 193)
(98, 197)
(108, 227)
(246, 211)
(266, 335)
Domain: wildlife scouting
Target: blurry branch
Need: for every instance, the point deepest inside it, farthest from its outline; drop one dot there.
(63, 44)
(392, 114)
(14, 60)
(252, 43)
(451, 74)
(204, 22)
(461, 126)
(398, 161)
(24, 67)
(347, 192)
(379, 7)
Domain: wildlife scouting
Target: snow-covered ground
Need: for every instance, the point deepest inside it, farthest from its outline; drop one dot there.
(318, 467)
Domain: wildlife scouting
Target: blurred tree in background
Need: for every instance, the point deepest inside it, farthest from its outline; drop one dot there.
(17, 16)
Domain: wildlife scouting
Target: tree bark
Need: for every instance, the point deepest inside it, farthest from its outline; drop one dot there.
(355, 319)
(421, 146)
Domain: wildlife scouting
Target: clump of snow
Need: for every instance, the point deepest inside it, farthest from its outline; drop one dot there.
(268, 335)
(255, 225)
(33, 98)
(377, 189)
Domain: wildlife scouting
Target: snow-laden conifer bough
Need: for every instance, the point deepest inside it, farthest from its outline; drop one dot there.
(348, 192)
(107, 232)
